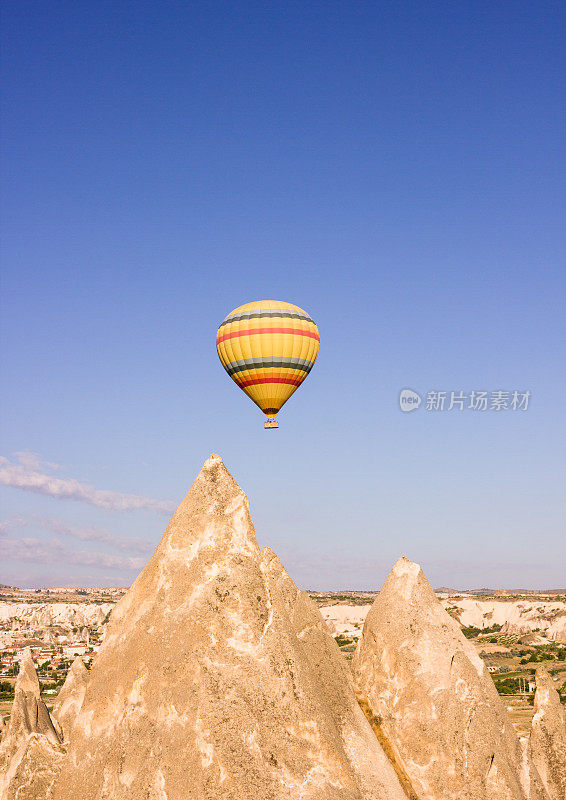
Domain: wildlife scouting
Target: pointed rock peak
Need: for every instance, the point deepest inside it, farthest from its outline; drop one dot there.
(214, 489)
(214, 516)
(406, 569)
(77, 674)
(212, 461)
(215, 470)
(437, 703)
(27, 680)
(546, 693)
(70, 699)
(404, 566)
(77, 668)
(29, 713)
(407, 580)
(548, 736)
(271, 561)
(277, 575)
(269, 555)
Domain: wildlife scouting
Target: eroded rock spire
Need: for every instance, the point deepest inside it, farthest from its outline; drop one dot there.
(206, 684)
(437, 705)
(30, 753)
(70, 698)
(548, 736)
(29, 712)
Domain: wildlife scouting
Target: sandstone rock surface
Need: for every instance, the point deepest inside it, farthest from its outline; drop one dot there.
(30, 753)
(548, 736)
(374, 773)
(206, 684)
(32, 770)
(29, 712)
(70, 699)
(436, 702)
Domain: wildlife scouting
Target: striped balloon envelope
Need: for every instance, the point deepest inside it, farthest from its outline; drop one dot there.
(268, 348)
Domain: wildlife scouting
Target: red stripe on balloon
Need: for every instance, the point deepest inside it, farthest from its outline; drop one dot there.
(253, 381)
(253, 331)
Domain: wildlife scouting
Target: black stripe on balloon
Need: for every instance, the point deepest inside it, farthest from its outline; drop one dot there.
(268, 365)
(270, 410)
(266, 314)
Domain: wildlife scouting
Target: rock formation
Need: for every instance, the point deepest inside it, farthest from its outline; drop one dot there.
(70, 698)
(208, 683)
(434, 700)
(370, 764)
(45, 615)
(515, 616)
(30, 752)
(29, 712)
(548, 736)
(32, 770)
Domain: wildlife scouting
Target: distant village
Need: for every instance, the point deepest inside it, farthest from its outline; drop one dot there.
(57, 625)
(52, 652)
(46, 656)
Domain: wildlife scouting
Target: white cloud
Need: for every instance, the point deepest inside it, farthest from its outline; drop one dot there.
(34, 461)
(92, 534)
(7, 524)
(35, 550)
(29, 474)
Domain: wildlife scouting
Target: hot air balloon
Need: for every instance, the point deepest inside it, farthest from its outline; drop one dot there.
(268, 348)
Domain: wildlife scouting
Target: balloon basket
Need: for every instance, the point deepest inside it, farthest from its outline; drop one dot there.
(270, 423)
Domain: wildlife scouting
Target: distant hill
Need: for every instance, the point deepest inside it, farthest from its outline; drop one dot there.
(503, 592)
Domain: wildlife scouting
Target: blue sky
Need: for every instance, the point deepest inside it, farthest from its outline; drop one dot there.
(397, 169)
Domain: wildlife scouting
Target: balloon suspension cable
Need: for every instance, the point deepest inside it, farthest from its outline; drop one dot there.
(270, 422)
